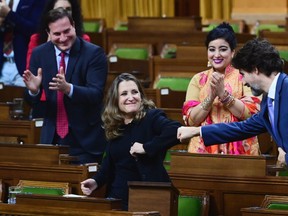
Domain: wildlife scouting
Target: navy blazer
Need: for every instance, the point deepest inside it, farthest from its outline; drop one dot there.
(25, 21)
(256, 124)
(87, 71)
(157, 134)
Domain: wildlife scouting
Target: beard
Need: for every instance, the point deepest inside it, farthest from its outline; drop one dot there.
(256, 91)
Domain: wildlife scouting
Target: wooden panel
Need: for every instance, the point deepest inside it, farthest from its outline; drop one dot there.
(29, 210)
(157, 196)
(164, 24)
(256, 211)
(11, 173)
(69, 202)
(252, 166)
(227, 191)
(31, 154)
(156, 38)
(26, 131)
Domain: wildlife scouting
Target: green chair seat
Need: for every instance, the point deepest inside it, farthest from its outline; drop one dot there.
(91, 26)
(132, 53)
(189, 205)
(174, 83)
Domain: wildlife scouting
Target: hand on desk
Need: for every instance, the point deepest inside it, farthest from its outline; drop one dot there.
(281, 157)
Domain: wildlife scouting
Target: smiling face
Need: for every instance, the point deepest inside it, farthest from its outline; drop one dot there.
(251, 80)
(62, 34)
(129, 99)
(219, 54)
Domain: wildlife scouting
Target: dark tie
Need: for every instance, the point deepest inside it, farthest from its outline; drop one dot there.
(62, 120)
(271, 111)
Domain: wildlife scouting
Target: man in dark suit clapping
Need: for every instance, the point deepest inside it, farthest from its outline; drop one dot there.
(73, 74)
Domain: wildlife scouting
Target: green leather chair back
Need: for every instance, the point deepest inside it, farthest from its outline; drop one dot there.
(174, 83)
(91, 26)
(278, 206)
(132, 53)
(189, 206)
(43, 191)
(270, 27)
(284, 54)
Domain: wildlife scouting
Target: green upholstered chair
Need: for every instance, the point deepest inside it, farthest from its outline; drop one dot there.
(284, 54)
(132, 53)
(195, 203)
(278, 206)
(188, 205)
(174, 83)
(91, 26)
(269, 27)
(45, 188)
(275, 202)
(94, 25)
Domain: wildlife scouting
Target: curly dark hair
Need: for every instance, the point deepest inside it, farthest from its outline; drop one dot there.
(112, 117)
(225, 32)
(76, 15)
(258, 53)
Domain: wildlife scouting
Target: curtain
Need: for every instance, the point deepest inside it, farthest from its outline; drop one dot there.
(114, 11)
(216, 9)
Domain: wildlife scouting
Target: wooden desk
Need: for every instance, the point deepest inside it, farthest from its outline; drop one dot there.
(157, 196)
(257, 211)
(11, 173)
(231, 185)
(31, 154)
(28, 210)
(86, 203)
(24, 131)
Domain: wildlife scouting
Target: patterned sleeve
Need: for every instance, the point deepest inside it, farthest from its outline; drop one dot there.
(252, 103)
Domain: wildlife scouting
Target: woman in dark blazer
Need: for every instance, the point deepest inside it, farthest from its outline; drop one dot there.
(138, 137)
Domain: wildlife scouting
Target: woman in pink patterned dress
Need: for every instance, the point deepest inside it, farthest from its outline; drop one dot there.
(219, 95)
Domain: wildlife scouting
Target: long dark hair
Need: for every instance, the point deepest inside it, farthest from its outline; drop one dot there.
(112, 117)
(76, 15)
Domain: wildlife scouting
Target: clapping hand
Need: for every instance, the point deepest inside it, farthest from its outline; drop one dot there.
(31, 81)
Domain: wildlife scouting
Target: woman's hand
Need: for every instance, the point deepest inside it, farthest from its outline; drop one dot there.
(88, 186)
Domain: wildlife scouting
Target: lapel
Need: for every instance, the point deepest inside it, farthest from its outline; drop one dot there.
(73, 58)
(277, 102)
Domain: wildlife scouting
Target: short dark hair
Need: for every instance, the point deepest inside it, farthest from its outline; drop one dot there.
(56, 14)
(223, 31)
(258, 53)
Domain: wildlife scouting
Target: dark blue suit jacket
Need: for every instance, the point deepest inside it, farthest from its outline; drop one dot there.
(256, 124)
(87, 71)
(25, 21)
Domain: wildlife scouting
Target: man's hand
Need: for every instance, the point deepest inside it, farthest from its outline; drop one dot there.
(281, 157)
(59, 83)
(185, 133)
(31, 81)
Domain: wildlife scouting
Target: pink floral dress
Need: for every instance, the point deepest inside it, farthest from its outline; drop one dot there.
(198, 90)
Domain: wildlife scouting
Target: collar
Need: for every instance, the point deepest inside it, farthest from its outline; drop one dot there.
(58, 51)
(272, 89)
